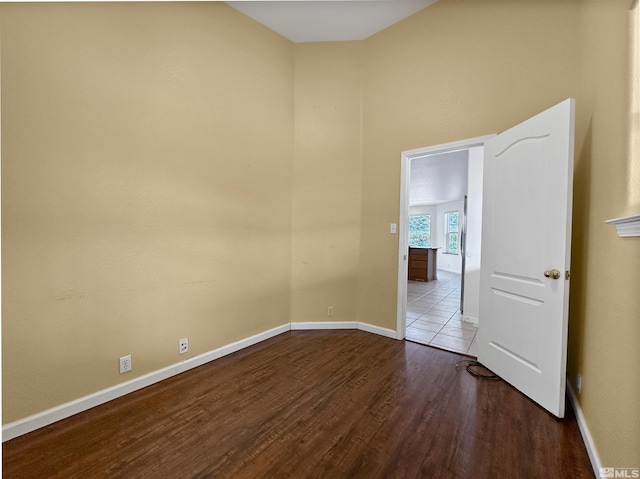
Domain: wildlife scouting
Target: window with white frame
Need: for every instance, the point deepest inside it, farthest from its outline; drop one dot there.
(420, 231)
(452, 232)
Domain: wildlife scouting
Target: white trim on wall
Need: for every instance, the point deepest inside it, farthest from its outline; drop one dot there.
(596, 464)
(324, 325)
(370, 328)
(627, 226)
(470, 319)
(44, 418)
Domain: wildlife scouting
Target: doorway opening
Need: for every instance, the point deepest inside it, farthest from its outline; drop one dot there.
(444, 183)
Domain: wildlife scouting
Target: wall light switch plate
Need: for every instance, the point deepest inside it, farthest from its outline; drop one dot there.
(393, 229)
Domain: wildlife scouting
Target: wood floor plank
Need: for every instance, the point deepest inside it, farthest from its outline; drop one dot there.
(311, 404)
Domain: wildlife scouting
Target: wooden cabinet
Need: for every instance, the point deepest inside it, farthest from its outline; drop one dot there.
(422, 264)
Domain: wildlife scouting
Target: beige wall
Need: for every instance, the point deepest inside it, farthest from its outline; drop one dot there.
(605, 304)
(146, 190)
(327, 172)
(458, 69)
(149, 166)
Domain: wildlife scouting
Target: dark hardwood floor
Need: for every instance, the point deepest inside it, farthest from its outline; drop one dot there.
(311, 404)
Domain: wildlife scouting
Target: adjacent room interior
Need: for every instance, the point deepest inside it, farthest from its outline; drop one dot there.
(437, 249)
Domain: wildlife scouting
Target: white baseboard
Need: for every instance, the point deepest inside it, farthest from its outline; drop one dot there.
(324, 325)
(370, 328)
(584, 431)
(44, 418)
(470, 319)
(451, 270)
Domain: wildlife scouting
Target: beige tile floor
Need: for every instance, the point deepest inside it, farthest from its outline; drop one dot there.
(434, 317)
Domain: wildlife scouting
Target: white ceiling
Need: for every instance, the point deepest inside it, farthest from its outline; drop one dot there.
(438, 179)
(325, 21)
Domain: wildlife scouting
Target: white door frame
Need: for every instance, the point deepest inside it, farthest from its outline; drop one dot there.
(403, 239)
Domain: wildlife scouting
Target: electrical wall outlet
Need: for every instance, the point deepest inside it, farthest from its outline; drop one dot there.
(330, 311)
(125, 364)
(578, 383)
(183, 346)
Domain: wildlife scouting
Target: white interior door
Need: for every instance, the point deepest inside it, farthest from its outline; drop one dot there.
(526, 236)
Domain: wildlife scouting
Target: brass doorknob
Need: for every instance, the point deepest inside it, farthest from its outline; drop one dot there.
(552, 273)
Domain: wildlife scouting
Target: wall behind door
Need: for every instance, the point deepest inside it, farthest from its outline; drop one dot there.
(473, 236)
